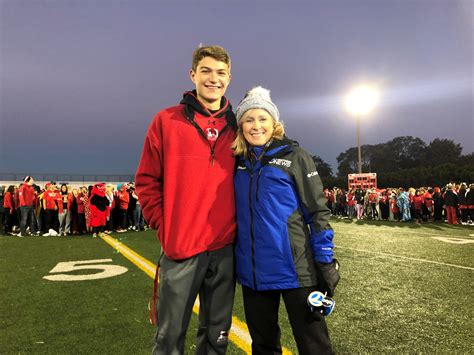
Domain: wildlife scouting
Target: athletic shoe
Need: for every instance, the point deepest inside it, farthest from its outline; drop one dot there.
(46, 235)
(53, 233)
(94, 235)
(19, 235)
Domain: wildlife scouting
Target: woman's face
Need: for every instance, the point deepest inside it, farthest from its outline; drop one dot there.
(74, 192)
(257, 126)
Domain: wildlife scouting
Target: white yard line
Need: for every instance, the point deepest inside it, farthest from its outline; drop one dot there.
(405, 257)
(401, 230)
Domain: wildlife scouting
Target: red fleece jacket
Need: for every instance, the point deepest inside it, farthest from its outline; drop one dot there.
(27, 195)
(185, 184)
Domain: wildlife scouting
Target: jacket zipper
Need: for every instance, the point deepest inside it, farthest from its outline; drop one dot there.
(201, 132)
(252, 237)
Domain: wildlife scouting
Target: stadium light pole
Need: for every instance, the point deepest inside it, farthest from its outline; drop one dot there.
(360, 101)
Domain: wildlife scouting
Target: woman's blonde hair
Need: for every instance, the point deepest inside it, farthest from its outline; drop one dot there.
(240, 145)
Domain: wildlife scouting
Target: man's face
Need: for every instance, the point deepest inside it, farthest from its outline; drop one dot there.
(211, 79)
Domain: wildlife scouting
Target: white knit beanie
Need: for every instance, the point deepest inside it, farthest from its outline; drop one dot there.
(258, 97)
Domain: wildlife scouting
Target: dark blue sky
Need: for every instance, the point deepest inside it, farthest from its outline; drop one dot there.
(81, 80)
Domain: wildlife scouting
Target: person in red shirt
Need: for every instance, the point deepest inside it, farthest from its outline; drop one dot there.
(27, 196)
(17, 213)
(8, 210)
(51, 205)
(123, 199)
(417, 201)
(427, 207)
(393, 206)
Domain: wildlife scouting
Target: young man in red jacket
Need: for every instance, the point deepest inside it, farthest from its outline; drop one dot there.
(52, 206)
(27, 197)
(184, 183)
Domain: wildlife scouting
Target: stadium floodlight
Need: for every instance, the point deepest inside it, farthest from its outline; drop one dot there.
(359, 102)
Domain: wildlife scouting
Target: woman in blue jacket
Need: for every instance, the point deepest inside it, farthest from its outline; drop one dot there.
(284, 245)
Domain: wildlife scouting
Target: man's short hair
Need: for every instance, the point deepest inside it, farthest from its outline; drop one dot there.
(216, 52)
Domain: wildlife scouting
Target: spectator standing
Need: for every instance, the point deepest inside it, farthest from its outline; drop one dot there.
(132, 205)
(462, 201)
(437, 205)
(384, 205)
(451, 204)
(470, 203)
(65, 215)
(8, 210)
(74, 212)
(17, 211)
(110, 216)
(27, 196)
(417, 204)
(81, 199)
(403, 203)
(394, 210)
(359, 197)
(52, 205)
(124, 199)
(2, 197)
(427, 207)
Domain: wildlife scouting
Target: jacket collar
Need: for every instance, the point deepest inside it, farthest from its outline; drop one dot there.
(192, 105)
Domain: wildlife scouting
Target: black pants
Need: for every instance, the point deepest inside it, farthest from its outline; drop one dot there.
(81, 219)
(123, 219)
(7, 221)
(261, 313)
(52, 221)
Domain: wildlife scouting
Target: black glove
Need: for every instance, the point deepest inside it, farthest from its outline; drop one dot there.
(328, 277)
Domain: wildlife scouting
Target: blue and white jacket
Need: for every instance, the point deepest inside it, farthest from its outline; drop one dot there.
(282, 219)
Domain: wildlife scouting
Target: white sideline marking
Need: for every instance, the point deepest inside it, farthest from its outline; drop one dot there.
(407, 258)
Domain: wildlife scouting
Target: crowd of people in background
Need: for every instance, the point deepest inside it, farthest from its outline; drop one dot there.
(454, 204)
(67, 210)
(28, 209)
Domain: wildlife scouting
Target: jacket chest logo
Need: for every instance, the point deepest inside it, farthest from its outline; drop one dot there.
(212, 134)
(280, 162)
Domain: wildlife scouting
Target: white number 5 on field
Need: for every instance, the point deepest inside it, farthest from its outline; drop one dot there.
(63, 270)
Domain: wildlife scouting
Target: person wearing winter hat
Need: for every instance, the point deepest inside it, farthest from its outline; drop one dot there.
(284, 244)
(184, 183)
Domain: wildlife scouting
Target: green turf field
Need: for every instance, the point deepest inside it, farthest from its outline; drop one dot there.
(405, 288)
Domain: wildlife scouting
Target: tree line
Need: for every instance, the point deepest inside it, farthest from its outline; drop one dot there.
(403, 162)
